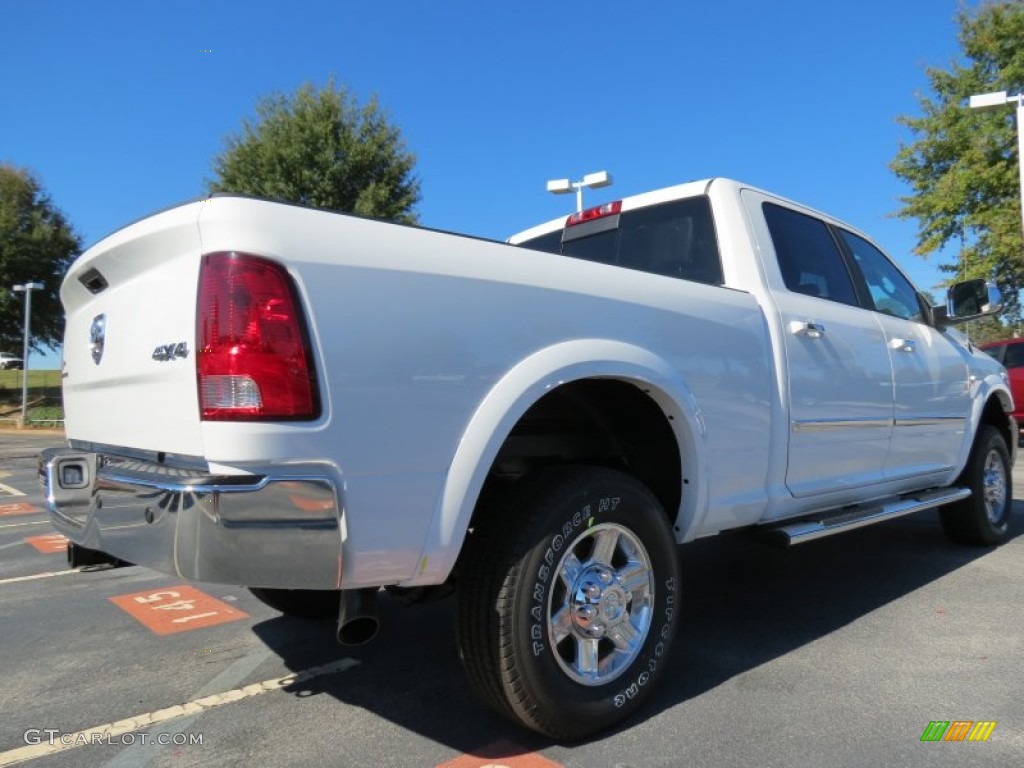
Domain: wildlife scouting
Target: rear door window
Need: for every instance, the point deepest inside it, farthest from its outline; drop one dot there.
(809, 259)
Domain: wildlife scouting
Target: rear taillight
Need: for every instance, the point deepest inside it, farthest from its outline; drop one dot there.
(254, 361)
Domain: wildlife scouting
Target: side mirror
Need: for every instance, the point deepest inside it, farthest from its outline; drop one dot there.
(970, 300)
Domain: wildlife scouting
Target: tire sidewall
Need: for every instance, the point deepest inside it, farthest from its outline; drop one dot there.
(992, 442)
(621, 501)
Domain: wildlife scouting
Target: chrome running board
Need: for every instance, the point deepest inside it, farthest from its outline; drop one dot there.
(848, 518)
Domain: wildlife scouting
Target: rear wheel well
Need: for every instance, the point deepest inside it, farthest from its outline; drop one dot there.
(603, 422)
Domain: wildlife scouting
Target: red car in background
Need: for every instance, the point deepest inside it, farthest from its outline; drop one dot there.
(1011, 354)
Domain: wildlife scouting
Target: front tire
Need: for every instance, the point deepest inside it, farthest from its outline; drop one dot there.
(983, 518)
(567, 604)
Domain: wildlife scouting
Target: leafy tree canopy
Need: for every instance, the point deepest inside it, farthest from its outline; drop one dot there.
(963, 164)
(37, 244)
(321, 148)
(984, 330)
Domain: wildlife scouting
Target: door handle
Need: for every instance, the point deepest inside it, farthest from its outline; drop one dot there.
(807, 328)
(904, 345)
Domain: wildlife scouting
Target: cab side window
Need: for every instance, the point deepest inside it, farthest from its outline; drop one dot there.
(891, 293)
(809, 258)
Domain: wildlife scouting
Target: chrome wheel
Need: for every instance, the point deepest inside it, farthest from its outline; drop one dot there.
(600, 608)
(994, 486)
(568, 602)
(983, 518)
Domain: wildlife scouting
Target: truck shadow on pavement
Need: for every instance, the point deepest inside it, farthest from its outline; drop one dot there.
(744, 604)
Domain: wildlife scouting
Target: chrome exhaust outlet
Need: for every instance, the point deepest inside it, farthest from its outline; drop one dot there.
(357, 621)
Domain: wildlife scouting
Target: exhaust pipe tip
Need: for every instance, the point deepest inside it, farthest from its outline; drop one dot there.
(357, 620)
(358, 631)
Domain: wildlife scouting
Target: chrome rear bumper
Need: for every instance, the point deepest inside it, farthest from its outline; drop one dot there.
(278, 529)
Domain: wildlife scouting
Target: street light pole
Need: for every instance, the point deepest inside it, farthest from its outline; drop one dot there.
(592, 180)
(27, 288)
(998, 99)
(1020, 151)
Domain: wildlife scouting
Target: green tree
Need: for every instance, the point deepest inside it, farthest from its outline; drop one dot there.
(321, 148)
(36, 244)
(986, 329)
(963, 164)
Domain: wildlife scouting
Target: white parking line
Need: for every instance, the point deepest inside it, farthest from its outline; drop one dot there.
(35, 576)
(10, 491)
(109, 731)
(29, 522)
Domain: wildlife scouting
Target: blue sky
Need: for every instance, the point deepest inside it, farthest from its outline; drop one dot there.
(120, 106)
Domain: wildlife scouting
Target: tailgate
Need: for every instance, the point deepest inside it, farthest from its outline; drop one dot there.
(129, 343)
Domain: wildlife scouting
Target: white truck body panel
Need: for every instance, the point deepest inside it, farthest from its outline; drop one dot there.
(430, 347)
(547, 320)
(130, 399)
(315, 406)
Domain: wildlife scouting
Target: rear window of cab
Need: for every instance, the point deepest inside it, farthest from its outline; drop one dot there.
(675, 239)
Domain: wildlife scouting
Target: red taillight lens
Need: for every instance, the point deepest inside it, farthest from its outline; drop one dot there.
(253, 361)
(597, 212)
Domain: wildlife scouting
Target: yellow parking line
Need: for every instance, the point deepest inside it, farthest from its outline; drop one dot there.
(110, 731)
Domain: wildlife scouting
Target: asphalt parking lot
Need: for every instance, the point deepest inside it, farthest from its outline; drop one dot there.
(838, 652)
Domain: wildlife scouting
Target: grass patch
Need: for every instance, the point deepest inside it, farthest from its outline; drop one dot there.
(44, 397)
(48, 414)
(12, 380)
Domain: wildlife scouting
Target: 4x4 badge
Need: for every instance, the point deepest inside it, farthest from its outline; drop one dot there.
(97, 337)
(165, 352)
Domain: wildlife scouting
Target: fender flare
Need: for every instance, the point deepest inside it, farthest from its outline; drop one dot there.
(998, 390)
(992, 387)
(515, 393)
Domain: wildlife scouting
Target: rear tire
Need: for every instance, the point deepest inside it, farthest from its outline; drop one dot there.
(567, 603)
(983, 518)
(301, 603)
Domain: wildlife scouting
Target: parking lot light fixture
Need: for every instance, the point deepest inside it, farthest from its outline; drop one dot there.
(592, 180)
(27, 289)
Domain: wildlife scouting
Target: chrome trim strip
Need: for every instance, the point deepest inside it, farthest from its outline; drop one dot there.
(221, 484)
(819, 425)
(930, 421)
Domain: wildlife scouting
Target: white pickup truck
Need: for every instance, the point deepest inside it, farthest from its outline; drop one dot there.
(316, 405)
